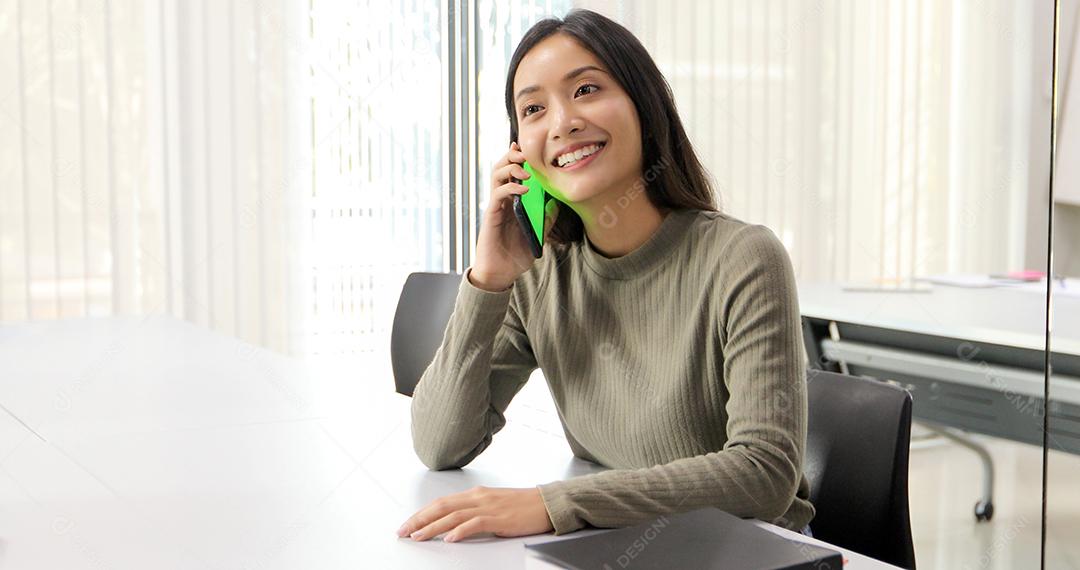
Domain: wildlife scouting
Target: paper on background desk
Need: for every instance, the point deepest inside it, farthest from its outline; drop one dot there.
(1070, 286)
(975, 280)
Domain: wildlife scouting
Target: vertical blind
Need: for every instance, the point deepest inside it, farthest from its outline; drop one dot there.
(880, 140)
(144, 149)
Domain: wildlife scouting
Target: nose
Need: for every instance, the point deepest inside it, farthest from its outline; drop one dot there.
(567, 122)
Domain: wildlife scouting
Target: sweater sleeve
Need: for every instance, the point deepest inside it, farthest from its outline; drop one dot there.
(758, 471)
(483, 361)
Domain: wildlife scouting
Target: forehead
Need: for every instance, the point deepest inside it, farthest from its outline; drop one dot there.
(548, 61)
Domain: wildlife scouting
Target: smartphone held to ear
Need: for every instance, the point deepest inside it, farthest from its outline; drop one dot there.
(529, 209)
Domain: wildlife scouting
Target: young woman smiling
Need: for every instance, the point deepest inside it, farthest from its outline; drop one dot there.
(668, 332)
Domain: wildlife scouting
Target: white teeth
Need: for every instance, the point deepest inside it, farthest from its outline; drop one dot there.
(572, 157)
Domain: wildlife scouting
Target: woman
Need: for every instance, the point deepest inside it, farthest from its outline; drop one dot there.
(668, 332)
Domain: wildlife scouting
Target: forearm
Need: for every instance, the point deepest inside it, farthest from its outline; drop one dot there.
(457, 404)
(747, 483)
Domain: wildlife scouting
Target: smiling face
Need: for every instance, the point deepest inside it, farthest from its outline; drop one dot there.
(568, 105)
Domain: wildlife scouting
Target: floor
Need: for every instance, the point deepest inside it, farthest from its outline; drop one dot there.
(945, 482)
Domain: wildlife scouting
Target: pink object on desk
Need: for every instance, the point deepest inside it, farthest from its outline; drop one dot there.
(1025, 275)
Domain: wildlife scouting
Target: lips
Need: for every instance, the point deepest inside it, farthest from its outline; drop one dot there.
(570, 149)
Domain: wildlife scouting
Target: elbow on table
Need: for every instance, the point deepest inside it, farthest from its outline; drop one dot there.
(430, 442)
(440, 456)
(438, 459)
(441, 446)
(435, 455)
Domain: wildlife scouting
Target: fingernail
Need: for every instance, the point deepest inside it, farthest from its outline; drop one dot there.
(401, 530)
(415, 535)
(450, 538)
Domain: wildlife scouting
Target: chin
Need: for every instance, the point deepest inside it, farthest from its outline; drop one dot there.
(580, 187)
(572, 193)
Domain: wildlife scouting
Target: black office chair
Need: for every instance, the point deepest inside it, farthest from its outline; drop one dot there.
(423, 310)
(858, 435)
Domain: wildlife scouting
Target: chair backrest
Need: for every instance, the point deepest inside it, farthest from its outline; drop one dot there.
(423, 311)
(858, 437)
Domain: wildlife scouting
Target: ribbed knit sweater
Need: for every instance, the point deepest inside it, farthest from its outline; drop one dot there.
(679, 365)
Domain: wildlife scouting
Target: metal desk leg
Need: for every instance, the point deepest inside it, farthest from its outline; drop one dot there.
(984, 508)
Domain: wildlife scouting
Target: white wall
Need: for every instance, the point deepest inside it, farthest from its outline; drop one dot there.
(1067, 177)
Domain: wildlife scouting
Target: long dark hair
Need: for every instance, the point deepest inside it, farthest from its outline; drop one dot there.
(674, 178)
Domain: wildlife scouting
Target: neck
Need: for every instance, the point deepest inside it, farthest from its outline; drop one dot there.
(617, 223)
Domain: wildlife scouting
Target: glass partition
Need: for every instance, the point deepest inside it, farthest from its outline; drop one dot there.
(1063, 409)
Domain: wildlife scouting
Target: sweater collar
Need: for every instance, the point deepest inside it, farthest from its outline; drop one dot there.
(658, 247)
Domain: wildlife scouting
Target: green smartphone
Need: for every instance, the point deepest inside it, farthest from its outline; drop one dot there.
(529, 208)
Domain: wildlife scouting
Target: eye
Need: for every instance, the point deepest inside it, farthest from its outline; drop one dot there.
(525, 112)
(584, 86)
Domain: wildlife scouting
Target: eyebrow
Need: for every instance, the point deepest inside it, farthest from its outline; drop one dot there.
(574, 73)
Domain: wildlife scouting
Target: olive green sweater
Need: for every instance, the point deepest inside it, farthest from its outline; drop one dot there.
(679, 365)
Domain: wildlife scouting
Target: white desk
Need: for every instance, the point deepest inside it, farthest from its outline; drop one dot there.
(987, 342)
(1012, 315)
(129, 443)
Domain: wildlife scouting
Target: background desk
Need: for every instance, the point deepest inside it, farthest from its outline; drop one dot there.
(972, 358)
(152, 443)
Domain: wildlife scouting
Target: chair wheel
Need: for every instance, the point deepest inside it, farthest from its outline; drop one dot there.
(984, 511)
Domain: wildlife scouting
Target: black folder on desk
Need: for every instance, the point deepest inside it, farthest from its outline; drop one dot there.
(703, 538)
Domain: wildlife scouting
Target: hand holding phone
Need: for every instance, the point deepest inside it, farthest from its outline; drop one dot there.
(530, 209)
(503, 250)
